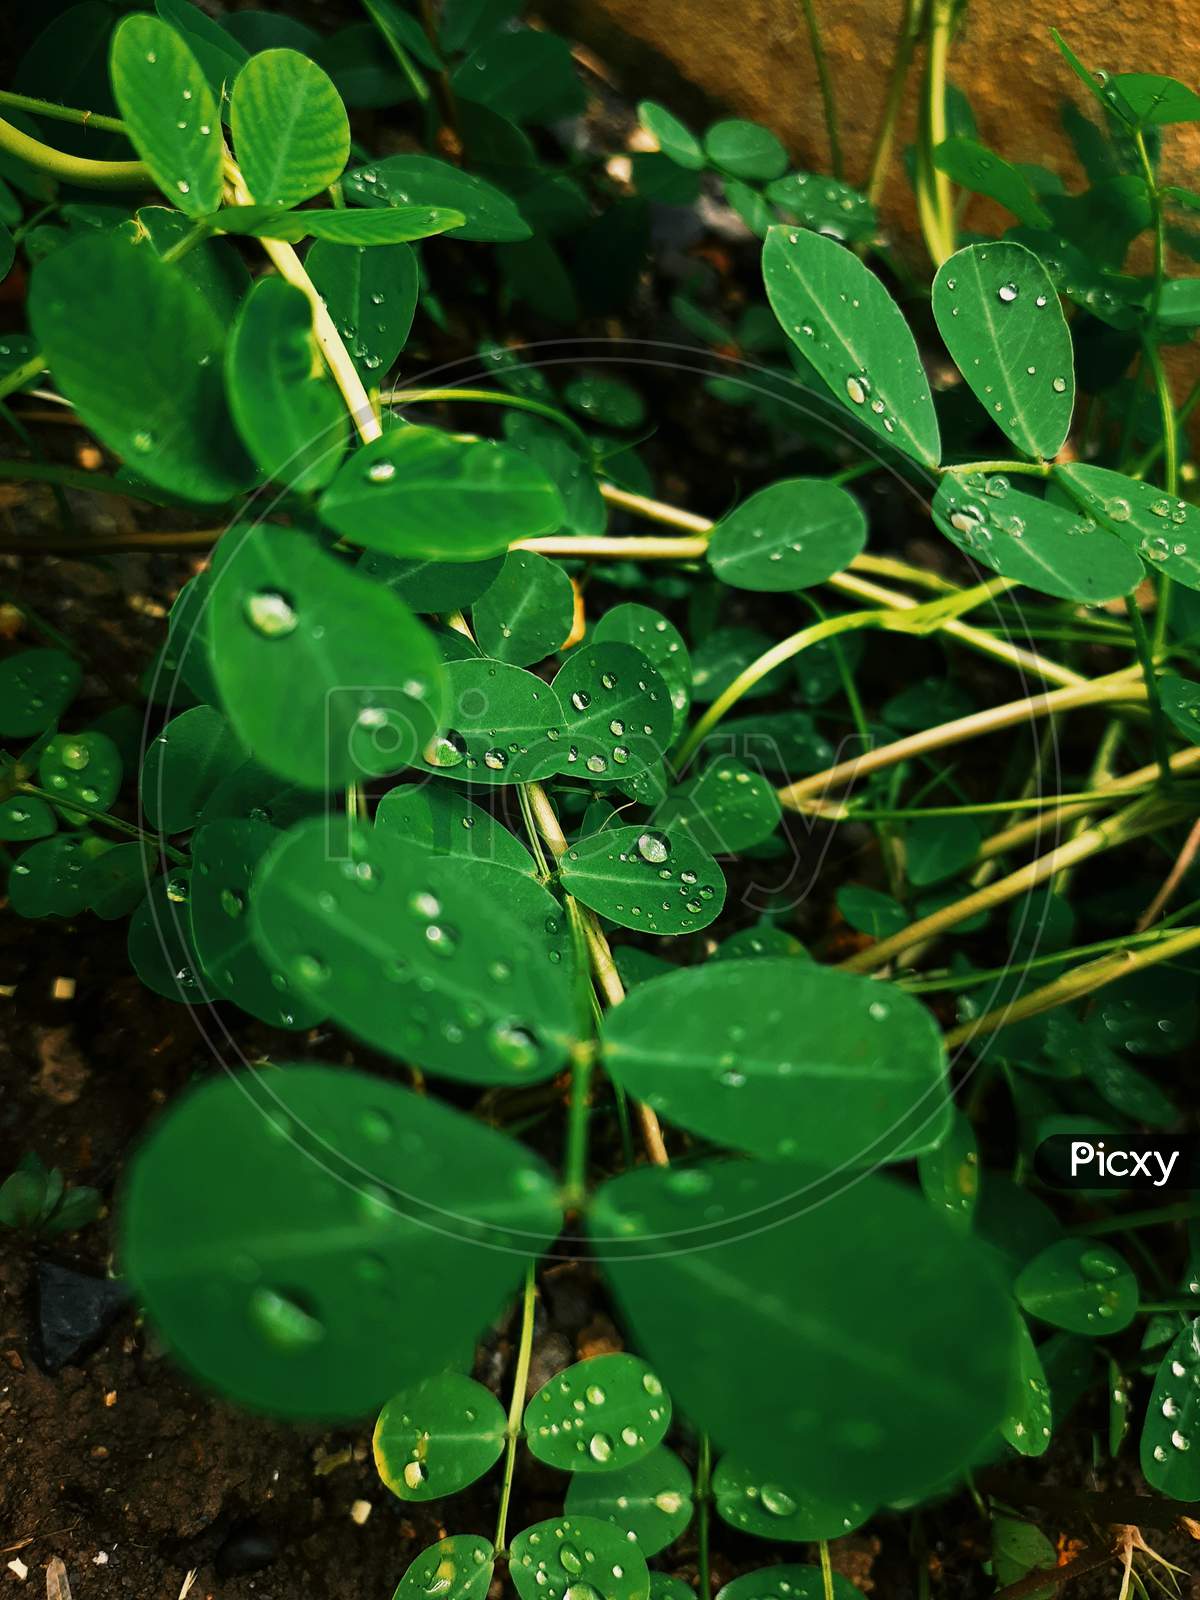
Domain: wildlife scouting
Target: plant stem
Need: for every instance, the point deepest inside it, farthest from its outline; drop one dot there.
(973, 980)
(104, 819)
(906, 39)
(72, 169)
(642, 505)
(1158, 721)
(516, 1410)
(935, 201)
(1181, 1211)
(20, 376)
(60, 113)
(492, 397)
(630, 548)
(1031, 469)
(826, 1569)
(851, 813)
(828, 100)
(1116, 686)
(1075, 984)
(704, 1515)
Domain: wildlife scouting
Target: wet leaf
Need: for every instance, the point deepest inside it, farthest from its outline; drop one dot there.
(527, 611)
(650, 1501)
(674, 139)
(437, 1437)
(457, 966)
(1081, 1286)
(846, 325)
(1163, 530)
(50, 878)
(160, 945)
(820, 202)
(278, 1285)
(1027, 1426)
(377, 229)
(981, 170)
(624, 1415)
(660, 641)
(643, 878)
(169, 111)
(724, 809)
(23, 817)
(1173, 1420)
(81, 766)
(791, 535)
(997, 310)
(577, 1553)
(457, 1568)
(1181, 701)
(418, 180)
(420, 492)
(785, 1059)
(432, 586)
(949, 1173)
(36, 687)
(502, 725)
(291, 135)
(447, 823)
(745, 149)
(617, 709)
(195, 752)
(780, 1509)
(786, 1582)
(526, 75)
(371, 295)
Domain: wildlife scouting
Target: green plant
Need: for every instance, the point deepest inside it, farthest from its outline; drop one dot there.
(313, 1240)
(36, 1198)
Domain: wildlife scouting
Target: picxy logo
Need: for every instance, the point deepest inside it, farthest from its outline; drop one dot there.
(1114, 1162)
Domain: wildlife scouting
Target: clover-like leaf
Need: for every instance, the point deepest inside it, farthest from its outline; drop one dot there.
(437, 1437)
(458, 966)
(783, 1509)
(24, 818)
(447, 823)
(785, 1059)
(376, 229)
(160, 945)
(1081, 1286)
(998, 312)
(949, 1173)
(1027, 1426)
(116, 882)
(787, 1582)
(821, 202)
(432, 586)
(371, 295)
(642, 878)
(660, 641)
(650, 1501)
(981, 170)
(277, 1284)
(457, 1568)
(170, 113)
(420, 492)
(849, 329)
(599, 1415)
(224, 856)
(419, 180)
(320, 704)
(1164, 530)
(81, 766)
(50, 878)
(195, 752)
(674, 138)
(791, 535)
(573, 1553)
(502, 725)
(1172, 1423)
(286, 407)
(527, 611)
(36, 687)
(291, 135)
(725, 808)
(745, 149)
(871, 1408)
(618, 712)
(1033, 541)
(1180, 700)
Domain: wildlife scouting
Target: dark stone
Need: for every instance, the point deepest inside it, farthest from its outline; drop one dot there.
(249, 1548)
(74, 1311)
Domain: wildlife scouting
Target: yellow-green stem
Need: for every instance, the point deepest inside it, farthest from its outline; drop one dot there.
(81, 170)
(516, 1411)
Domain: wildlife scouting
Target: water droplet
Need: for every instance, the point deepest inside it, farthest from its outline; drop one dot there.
(271, 614)
(514, 1046)
(415, 1474)
(284, 1319)
(654, 847)
(1059, 386)
(581, 700)
(1007, 293)
(495, 759)
(597, 764)
(777, 1501)
(381, 471)
(447, 749)
(600, 1447)
(232, 903)
(858, 389)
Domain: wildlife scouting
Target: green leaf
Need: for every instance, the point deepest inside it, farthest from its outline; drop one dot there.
(1083, 1287)
(751, 1256)
(821, 202)
(745, 149)
(562, 459)
(1019, 1549)
(276, 1285)
(1179, 303)
(284, 404)
(1034, 542)
(170, 113)
(846, 325)
(527, 76)
(115, 883)
(650, 1501)
(219, 53)
(502, 725)
(782, 1059)
(981, 170)
(321, 704)
(375, 228)
(138, 351)
(724, 809)
(663, 1587)
(457, 1568)
(793, 534)
(23, 817)
(415, 180)
(528, 610)
(225, 855)
(1173, 1420)
(1027, 1426)
(291, 135)
(81, 766)
(618, 712)
(997, 310)
(870, 911)
(949, 1173)
(160, 941)
(432, 586)
(1151, 100)
(607, 401)
(437, 1437)
(1181, 701)
(935, 848)
(575, 1553)
(50, 878)
(660, 641)
(1163, 530)
(639, 878)
(787, 1583)
(780, 1509)
(251, 792)
(625, 1415)
(371, 295)
(213, 266)
(447, 963)
(184, 765)
(445, 822)
(420, 492)
(36, 687)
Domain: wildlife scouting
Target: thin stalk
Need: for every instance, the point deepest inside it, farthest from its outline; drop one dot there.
(72, 169)
(906, 39)
(1143, 464)
(851, 813)
(935, 201)
(1074, 985)
(704, 1515)
(1117, 686)
(1158, 721)
(1141, 817)
(578, 1117)
(631, 548)
(826, 1569)
(1150, 1308)
(1152, 1217)
(642, 505)
(1031, 469)
(492, 397)
(20, 376)
(399, 54)
(104, 819)
(974, 980)
(825, 81)
(516, 1411)
(51, 108)
(195, 235)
